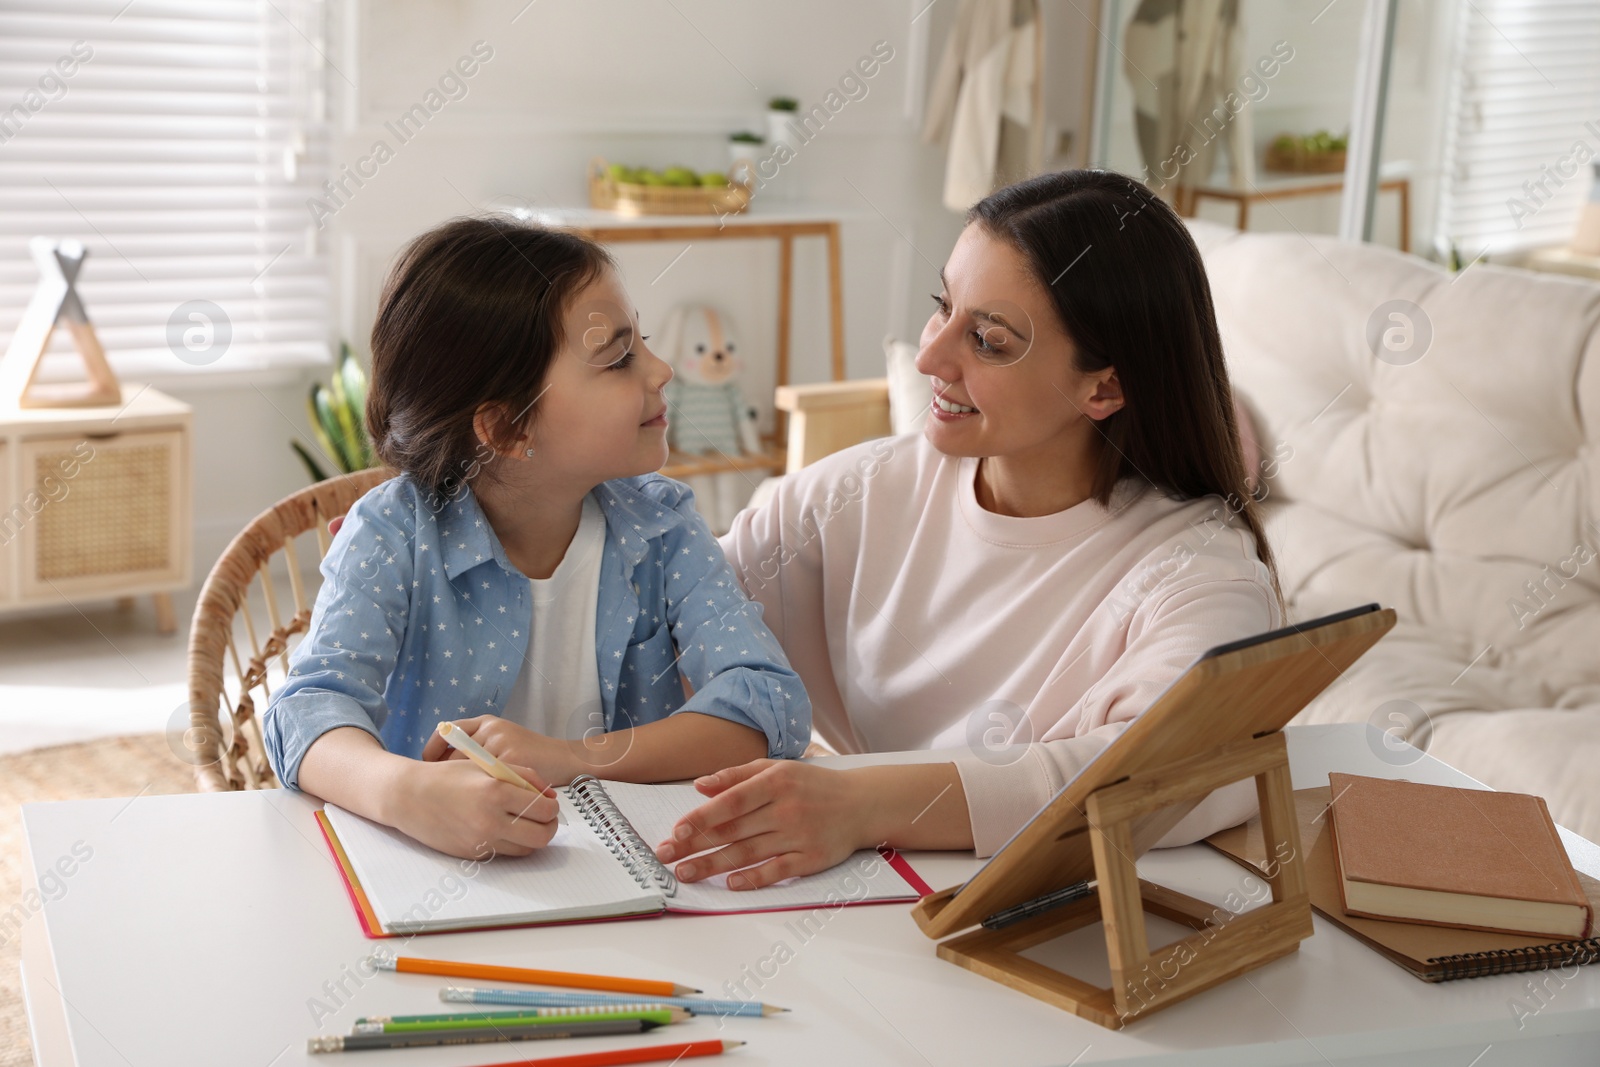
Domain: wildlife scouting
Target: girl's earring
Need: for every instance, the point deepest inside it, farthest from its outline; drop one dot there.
(529, 452)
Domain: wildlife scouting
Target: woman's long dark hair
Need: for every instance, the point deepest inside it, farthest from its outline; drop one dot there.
(1129, 286)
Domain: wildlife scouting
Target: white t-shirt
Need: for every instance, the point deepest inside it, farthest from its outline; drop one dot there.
(557, 692)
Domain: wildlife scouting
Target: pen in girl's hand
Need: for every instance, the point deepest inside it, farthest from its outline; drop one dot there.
(459, 739)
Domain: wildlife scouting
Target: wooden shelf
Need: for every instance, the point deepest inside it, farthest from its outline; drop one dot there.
(784, 226)
(682, 465)
(1284, 187)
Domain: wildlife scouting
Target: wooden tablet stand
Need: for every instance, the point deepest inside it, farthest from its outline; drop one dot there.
(1126, 799)
(1223, 948)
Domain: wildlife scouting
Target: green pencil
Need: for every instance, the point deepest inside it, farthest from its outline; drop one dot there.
(663, 1016)
(478, 1035)
(585, 1010)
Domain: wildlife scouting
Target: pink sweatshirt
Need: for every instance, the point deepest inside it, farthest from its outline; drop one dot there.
(918, 620)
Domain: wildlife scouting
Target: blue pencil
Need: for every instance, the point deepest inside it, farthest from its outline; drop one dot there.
(538, 998)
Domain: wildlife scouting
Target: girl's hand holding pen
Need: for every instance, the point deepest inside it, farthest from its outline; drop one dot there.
(498, 816)
(452, 806)
(513, 744)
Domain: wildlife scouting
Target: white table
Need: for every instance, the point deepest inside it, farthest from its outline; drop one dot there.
(201, 928)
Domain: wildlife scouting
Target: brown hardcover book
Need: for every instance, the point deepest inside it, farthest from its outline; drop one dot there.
(1431, 953)
(1469, 858)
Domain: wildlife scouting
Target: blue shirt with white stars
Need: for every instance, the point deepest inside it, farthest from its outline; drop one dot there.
(422, 618)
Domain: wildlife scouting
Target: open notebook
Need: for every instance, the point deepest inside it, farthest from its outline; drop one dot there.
(600, 865)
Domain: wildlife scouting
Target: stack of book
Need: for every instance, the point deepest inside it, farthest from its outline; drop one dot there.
(1446, 882)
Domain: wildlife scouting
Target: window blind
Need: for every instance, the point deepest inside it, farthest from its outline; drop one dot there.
(179, 141)
(1523, 123)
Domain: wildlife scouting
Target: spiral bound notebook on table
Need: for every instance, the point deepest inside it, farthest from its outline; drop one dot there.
(600, 865)
(1432, 953)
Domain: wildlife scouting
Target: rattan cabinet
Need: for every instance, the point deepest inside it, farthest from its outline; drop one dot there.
(97, 502)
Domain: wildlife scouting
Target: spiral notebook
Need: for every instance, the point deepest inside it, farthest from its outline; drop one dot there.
(600, 865)
(1432, 953)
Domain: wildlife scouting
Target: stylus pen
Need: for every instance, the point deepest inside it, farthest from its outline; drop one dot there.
(477, 1036)
(1029, 908)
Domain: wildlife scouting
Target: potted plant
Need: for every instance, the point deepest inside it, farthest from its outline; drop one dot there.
(338, 419)
(1315, 153)
(781, 111)
(744, 147)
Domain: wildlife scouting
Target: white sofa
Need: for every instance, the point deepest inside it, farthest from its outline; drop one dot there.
(1459, 484)
(1439, 484)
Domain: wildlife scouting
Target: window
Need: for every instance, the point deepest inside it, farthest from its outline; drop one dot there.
(1524, 123)
(179, 141)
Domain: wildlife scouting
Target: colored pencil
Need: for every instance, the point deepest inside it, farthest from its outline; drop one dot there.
(531, 976)
(647, 1054)
(477, 1036)
(664, 1016)
(540, 998)
(538, 1011)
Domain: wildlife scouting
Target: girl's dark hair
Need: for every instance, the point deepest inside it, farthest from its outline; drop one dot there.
(470, 314)
(1130, 288)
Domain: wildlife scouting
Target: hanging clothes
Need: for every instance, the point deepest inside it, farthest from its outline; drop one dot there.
(985, 97)
(1181, 60)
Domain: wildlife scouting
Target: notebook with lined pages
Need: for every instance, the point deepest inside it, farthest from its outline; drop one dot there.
(600, 865)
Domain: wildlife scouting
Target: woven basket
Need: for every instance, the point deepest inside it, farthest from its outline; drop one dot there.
(633, 198)
(1303, 162)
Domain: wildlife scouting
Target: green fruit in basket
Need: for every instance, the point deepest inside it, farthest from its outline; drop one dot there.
(646, 176)
(680, 176)
(620, 172)
(712, 180)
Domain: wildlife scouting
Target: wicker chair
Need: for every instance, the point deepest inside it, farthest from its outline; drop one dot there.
(228, 752)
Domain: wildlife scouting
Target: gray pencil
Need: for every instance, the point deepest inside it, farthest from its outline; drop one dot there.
(478, 1035)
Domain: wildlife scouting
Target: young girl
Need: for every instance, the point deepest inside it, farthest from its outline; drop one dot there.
(526, 575)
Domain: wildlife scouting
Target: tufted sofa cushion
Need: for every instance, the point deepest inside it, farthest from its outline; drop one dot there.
(1457, 480)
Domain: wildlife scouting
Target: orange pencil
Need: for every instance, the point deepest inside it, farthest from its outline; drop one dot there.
(629, 1055)
(532, 976)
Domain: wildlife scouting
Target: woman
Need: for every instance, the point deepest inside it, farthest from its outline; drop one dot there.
(1019, 582)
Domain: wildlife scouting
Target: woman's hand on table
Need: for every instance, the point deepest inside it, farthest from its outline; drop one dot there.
(779, 818)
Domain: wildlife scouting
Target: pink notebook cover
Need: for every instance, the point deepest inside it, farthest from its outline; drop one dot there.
(372, 929)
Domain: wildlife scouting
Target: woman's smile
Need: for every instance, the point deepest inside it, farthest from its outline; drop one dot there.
(948, 410)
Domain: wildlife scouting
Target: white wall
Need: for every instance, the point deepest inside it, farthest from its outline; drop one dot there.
(634, 81)
(648, 83)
